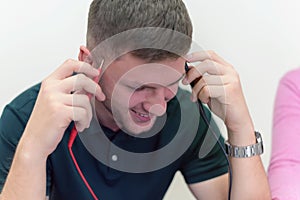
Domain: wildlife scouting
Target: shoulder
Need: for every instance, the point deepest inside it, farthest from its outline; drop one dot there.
(291, 77)
(26, 99)
(23, 104)
(289, 85)
(16, 114)
(293, 73)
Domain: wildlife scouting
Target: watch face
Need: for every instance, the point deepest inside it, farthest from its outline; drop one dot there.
(258, 137)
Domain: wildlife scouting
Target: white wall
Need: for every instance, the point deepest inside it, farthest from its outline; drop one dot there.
(260, 38)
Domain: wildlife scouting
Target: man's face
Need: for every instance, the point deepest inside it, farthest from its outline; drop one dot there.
(137, 92)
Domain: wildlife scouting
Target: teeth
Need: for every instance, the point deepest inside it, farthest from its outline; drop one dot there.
(142, 115)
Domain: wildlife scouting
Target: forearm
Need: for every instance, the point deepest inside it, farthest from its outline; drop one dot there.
(249, 180)
(27, 175)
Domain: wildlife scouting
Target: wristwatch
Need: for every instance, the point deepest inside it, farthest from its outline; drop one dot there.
(245, 151)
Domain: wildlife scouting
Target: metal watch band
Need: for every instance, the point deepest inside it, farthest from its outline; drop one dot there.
(245, 151)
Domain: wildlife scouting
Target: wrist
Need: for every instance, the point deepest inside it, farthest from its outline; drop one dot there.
(30, 150)
(246, 151)
(242, 136)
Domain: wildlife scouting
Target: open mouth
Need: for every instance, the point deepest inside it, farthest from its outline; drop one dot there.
(140, 117)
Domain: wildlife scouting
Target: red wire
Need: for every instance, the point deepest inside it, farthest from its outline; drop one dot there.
(73, 135)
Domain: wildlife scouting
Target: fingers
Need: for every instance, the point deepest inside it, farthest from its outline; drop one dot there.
(63, 98)
(82, 101)
(70, 66)
(80, 116)
(205, 55)
(79, 109)
(208, 87)
(210, 78)
(208, 66)
(73, 92)
(64, 80)
(80, 82)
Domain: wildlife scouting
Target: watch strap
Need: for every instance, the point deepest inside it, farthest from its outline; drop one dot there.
(245, 151)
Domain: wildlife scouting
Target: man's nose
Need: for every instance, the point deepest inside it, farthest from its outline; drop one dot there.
(156, 102)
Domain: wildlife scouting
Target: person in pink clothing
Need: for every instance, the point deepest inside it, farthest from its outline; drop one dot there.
(284, 169)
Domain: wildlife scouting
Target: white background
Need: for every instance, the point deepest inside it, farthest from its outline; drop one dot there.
(260, 38)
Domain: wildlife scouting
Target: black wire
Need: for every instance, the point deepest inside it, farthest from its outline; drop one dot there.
(202, 113)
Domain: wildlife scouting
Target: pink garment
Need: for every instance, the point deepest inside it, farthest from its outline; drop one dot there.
(284, 169)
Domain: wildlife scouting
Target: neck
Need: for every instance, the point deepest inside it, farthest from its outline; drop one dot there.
(105, 117)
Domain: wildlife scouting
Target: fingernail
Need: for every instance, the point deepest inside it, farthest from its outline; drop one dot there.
(185, 81)
(102, 97)
(97, 72)
(189, 56)
(193, 98)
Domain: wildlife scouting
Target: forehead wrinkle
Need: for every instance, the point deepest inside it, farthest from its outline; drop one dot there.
(137, 83)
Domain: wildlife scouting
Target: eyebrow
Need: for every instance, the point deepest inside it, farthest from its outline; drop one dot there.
(168, 85)
(181, 77)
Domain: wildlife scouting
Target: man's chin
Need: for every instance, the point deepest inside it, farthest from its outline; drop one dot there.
(139, 128)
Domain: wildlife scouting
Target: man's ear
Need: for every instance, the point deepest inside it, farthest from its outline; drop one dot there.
(85, 55)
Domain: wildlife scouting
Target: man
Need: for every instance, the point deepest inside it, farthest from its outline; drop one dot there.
(137, 93)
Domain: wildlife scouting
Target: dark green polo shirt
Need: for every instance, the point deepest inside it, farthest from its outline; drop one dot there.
(63, 181)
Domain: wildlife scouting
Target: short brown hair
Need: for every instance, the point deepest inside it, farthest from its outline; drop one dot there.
(110, 17)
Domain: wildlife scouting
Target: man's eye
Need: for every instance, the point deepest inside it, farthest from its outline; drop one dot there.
(145, 87)
(134, 88)
(140, 88)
